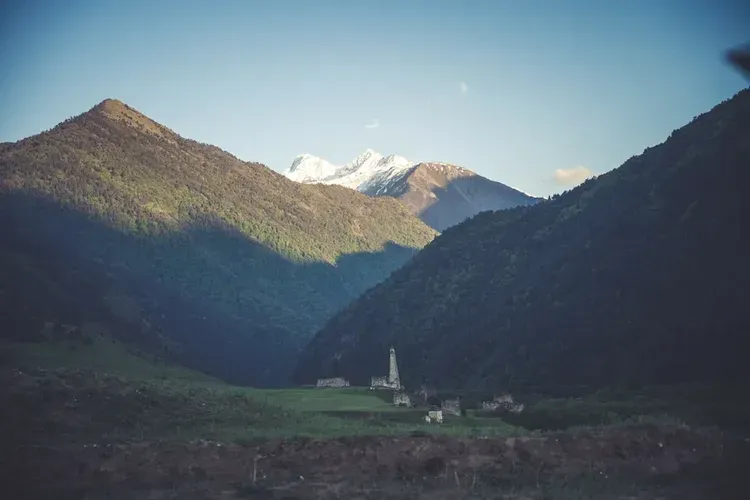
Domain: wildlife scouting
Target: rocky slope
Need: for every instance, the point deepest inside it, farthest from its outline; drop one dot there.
(444, 195)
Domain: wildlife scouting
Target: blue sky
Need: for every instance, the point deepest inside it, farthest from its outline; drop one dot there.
(530, 93)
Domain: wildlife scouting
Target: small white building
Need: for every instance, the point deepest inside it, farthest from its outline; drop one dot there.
(332, 382)
(434, 416)
(402, 399)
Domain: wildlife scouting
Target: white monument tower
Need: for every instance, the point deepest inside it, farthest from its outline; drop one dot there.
(393, 379)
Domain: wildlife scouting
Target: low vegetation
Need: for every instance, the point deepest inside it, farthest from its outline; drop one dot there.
(95, 416)
(123, 397)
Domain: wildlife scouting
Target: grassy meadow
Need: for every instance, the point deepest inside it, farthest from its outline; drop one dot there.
(100, 389)
(107, 405)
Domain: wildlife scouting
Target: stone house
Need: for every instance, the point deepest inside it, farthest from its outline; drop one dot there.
(451, 407)
(401, 398)
(435, 416)
(504, 402)
(332, 382)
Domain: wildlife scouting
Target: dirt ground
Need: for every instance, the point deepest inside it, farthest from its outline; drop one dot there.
(635, 463)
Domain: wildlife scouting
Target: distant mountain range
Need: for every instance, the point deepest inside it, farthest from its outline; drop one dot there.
(113, 222)
(637, 277)
(441, 194)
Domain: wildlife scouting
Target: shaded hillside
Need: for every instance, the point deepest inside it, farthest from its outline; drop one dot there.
(636, 277)
(112, 218)
(444, 195)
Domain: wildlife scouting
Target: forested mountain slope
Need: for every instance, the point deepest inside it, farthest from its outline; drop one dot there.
(114, 220)
(639, 276)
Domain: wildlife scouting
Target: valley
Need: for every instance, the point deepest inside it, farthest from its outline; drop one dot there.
(155, 376)
(181, 323)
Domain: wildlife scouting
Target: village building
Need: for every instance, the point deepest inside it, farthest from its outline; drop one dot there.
(434, 416)
(332, 382)
(504, 402)
(451, 407)
(401, 398)
(392, 381)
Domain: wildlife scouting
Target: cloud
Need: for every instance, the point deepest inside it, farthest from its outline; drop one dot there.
(463, 87)
(375, 124)
(572, 176)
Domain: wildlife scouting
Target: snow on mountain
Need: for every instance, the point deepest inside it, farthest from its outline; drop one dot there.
(365, 173)
(308, 168)
(441, 194)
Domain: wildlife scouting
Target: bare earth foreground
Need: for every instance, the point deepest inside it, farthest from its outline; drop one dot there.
(640, 463)
(118, 426)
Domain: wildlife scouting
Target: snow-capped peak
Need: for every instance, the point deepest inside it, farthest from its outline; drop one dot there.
(308, 168)
(364, 173)
(368, 158)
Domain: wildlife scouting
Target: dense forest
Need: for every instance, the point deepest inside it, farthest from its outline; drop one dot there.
(636, 277)
(113, 222)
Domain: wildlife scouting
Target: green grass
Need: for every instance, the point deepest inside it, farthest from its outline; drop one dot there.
(308, 399)
(82, 394)
(99, 390)
(102, 355)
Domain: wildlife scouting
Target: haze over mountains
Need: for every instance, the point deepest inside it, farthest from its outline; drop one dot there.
(441, 194)
(638, 277)
(112, 222)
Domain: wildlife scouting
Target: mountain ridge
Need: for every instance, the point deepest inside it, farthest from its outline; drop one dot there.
(169, 226)
(431, 190)
(635, 277)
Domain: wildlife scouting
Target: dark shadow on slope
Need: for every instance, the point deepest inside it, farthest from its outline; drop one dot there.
(638, 277)
(467, 196)
(206, 296)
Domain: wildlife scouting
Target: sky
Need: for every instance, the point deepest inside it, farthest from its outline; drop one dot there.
(534, 94)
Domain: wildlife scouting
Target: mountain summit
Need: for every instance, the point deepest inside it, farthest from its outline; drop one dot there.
(112, 219)
(363, 173)
(441, 194)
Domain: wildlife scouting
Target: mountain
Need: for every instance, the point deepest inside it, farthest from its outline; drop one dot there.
(439, 193)
(365, 172)
(113, 222)
(444, 195)
(638, 277)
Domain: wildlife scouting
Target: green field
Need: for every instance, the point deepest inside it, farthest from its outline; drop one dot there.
(308, 399)
(103, 355)
(100, 389)
(99, 393)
